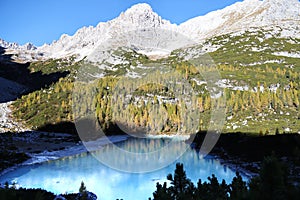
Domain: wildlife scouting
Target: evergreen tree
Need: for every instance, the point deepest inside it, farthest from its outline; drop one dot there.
(162, 192)
(273, 176)
(238, 188)
(215, 190)
(277, 131)
(82, 191)
(272, 182)
(181, 185)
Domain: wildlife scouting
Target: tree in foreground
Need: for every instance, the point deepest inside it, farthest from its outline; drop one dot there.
(238, 188)
(271, 184)
(162, 192)
(83, 192)
(181, 187)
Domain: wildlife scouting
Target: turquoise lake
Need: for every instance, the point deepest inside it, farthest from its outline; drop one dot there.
(108, 181)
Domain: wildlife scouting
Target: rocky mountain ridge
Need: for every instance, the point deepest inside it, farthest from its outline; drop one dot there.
(249, 14)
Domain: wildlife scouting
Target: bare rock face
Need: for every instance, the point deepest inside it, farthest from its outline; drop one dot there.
(245, 15)
(282, 15)
(86, 39)
(142, 15)
(16, 46)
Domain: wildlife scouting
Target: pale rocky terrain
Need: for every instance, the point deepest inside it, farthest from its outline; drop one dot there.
(236, 18)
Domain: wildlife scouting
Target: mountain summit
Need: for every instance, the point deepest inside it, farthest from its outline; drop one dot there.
(244, 16)
(282, 16)
(142, 15)
(139, 16)
(87, 38)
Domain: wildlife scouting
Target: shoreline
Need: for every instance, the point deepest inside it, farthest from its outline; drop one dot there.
(245, 153)
(78, 149)
(238, 152)
(240, 166)
(64, 148)
(59, 150)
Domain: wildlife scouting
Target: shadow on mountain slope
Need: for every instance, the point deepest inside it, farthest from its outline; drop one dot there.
(26, 81)
(252, 148)
(89, 127)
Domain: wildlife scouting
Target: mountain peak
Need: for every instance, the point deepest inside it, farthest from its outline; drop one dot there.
(140, 7)
(243, 15)
(141, 15)
(234, 18)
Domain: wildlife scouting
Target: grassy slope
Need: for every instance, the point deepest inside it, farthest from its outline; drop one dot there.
(244, 60)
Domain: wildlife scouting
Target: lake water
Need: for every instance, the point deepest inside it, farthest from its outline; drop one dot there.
(65, 175)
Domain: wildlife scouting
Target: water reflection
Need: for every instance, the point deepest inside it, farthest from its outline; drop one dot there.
(65, 175)
(142, 155)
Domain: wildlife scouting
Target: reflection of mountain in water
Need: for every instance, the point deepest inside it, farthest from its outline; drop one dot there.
(65, 175)
(143, 155)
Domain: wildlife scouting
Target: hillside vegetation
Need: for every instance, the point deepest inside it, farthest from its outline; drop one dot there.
(260, 79)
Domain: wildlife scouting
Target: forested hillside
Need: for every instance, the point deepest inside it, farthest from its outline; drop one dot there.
(259, 81)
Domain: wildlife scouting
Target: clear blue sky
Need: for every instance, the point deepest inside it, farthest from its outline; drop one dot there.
(42, 21)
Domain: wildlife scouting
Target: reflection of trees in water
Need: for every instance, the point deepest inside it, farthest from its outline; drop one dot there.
(140, 155)
(143, 145)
